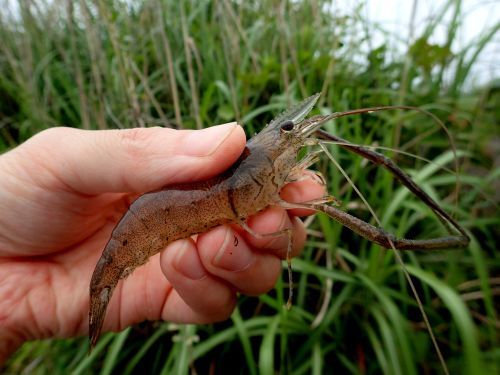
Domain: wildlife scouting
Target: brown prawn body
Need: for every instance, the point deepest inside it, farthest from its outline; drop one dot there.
(268, 162)
(158, 218)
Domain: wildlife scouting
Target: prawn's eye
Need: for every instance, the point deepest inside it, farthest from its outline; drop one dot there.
(287, 126)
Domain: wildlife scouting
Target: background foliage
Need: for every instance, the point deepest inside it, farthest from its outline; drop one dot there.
(189, 64)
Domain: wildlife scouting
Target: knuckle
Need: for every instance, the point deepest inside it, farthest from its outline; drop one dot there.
(48, 142)
(263, 283)
(135, 142)
(222, 310)
(139, 143)
(55, 132)
(54, 136)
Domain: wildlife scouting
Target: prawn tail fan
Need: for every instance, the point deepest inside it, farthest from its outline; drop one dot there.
(97, 312)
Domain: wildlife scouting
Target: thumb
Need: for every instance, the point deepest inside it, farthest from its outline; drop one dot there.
(134, 160)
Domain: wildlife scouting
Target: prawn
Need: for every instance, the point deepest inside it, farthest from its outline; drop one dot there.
(268, 162)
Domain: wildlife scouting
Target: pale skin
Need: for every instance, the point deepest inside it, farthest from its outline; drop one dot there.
(62, 192)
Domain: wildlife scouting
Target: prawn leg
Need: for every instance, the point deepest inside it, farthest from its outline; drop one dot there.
(373, 233)
(297, 172)
(378, 235)
(289, 233)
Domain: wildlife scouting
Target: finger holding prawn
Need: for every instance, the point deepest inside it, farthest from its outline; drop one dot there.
(206, 273)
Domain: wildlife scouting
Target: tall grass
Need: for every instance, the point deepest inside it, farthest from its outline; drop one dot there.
(189, 64)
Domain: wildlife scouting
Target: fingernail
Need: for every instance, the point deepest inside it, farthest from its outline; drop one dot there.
(187, 262)
(204, 142)
(233, 254)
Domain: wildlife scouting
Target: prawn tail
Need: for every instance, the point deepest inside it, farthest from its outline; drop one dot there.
(104, 280)
(98, 303)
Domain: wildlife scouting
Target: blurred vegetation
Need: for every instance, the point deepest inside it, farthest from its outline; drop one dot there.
(190, 64)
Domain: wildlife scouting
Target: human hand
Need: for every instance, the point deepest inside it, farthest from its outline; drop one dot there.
(63, 191)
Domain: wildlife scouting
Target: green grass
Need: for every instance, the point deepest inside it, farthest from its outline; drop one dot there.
(101, 64)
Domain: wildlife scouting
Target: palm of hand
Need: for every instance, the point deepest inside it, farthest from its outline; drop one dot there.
(49, 283)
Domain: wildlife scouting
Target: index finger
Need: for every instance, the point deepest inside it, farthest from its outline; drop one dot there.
(303, 190)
